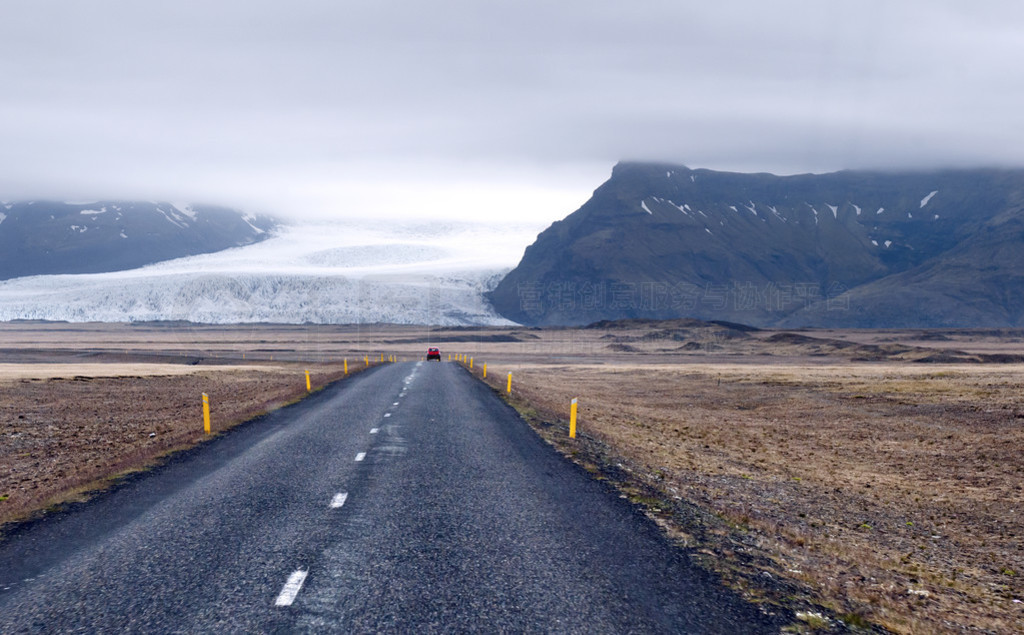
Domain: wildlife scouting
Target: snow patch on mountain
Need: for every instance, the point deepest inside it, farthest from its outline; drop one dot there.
(248, 218)
(186, 209)
(175, 216)
(924, 201)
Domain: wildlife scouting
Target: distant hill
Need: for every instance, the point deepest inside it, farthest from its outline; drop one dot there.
(39, 237)
(853, 249)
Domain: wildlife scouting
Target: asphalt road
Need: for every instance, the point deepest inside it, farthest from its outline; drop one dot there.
(406, 499)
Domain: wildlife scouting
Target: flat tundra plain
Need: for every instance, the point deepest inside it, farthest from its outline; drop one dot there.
(874, 477)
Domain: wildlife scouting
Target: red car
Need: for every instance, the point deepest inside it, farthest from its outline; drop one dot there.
(433, 353)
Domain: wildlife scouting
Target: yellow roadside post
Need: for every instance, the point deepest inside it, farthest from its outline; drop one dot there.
(206, 413)
(346, 365)
(449, 357)
(485, 370)
(309, 386)
(367, 360)
(509, 389)
(572, 419)
(470, 363)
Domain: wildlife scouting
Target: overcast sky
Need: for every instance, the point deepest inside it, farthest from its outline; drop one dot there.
(488, 108)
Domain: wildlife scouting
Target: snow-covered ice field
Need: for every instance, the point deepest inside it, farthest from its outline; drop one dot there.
(326, 272)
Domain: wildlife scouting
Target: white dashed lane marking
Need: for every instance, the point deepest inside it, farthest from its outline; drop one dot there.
(298, 578)
(291, 588)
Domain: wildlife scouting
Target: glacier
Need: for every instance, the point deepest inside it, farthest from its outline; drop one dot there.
(350, 272)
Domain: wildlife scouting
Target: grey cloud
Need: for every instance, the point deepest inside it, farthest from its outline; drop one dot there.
(253, 99)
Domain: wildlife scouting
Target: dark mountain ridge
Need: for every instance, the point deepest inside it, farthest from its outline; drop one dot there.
(43, 237)
(867, 249)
